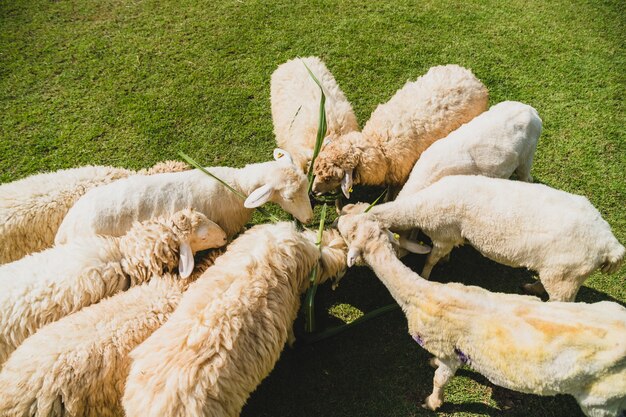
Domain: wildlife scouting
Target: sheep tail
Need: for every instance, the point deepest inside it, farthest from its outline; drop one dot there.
(613, 260)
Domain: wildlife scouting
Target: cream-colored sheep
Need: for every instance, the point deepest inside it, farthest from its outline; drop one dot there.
(32, 208)
(43, 287)
(496, 144)
(515, 341)
(398, 131)
(78, 365)
(295, 99)
(560, 236)
(111, 209)
(231, 325)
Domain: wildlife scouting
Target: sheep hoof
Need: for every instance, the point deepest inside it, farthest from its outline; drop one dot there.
(433, 362)
(432, 403)
(534, 289)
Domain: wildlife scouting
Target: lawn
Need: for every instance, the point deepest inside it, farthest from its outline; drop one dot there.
(131, 83)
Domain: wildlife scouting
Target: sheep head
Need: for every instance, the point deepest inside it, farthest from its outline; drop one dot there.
(357, 208)
(286, 185)
(334, 166)
(196, 232)
(364, 234)
(160, 245)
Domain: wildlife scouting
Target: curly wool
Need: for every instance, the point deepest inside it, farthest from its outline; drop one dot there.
(31, 209)
(231, 325)
(398, 131)
(43, 287)
(295, 99)
(77, 366)
(515, 341)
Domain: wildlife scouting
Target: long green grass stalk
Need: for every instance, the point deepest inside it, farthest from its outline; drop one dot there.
(309, 301)
(376, 201)
(196, 165)
(321, 132)
(321, 127)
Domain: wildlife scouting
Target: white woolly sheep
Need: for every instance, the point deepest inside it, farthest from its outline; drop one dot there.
(31, 209)
(295, 99)
(496, 143)
(111, 209)
(398, 131)
(515, 341)
(78, 365)
(560, 236)
(43, 287)
(230, 326)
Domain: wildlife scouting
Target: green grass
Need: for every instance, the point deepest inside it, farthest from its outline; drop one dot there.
(131, 83)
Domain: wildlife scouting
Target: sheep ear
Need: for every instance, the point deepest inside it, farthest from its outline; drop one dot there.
(393, 238)
(282, 155)
(259, 196)
(414, 247)
(353, 255)
(407, 244)
(346, 183)
(186, 262)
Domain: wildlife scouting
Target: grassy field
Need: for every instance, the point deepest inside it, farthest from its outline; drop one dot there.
(131, 83)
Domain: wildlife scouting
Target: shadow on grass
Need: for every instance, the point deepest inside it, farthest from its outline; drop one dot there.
(375, 368)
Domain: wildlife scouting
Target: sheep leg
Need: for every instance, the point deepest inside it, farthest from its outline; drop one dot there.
(434, 256)
(562, 287)
(338, 205)
(445, 370)
(523, 171)
(392, 192)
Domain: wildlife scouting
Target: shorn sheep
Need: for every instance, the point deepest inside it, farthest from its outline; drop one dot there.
(295, 99)
(496, 144)
(515, 341)
(77, 366)
(398, 131)
(231, 325)
(31, 209)
(560, 236)
(43, 287)
(111, 209)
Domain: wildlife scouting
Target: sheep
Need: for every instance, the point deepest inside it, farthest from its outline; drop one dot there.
(43, 287)
(230, 326)
(560, 236)
(515, 341)
(496, 143)
(165, 166)
(398, 131)
(111, 209)
(78, 365)
(32, 208)
(295, 101)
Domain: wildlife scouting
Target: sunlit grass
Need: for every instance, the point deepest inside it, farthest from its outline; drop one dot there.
(133, 83)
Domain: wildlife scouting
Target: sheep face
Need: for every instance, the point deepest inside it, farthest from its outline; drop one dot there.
(287, 186)
(198, 231)
(363, 233)
(195, 233)
(291, 192)
(334, 166)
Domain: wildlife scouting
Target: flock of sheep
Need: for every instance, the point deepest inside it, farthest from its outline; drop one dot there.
(117, 297)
